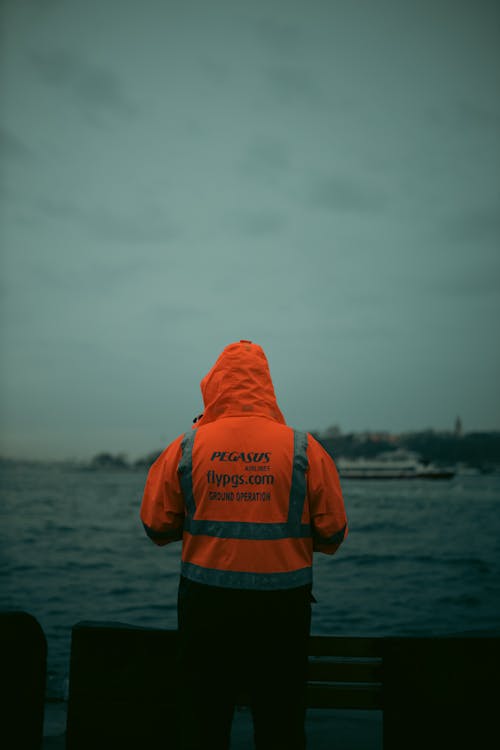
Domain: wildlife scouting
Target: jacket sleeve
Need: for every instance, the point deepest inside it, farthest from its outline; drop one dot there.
(162, 508)
(326, 504)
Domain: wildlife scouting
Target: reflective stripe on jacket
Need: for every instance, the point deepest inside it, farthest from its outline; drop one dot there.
(250, 497)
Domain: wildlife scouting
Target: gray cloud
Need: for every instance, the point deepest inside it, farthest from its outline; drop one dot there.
(44, 5)
(258, 223)
(267, 160)
(140, 226)
(279, 37)
(59, 208)
(344, 195)
(466, 114)
(13, 148)
(134, 229)
(263, 172)
(269, 154)
(289, 83)
(93, 85)
(479, 226)
(215, 71)
(477, 116)
(178, 313)
(474, 283)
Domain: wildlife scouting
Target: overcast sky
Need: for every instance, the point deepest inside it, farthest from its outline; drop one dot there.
(322, 178)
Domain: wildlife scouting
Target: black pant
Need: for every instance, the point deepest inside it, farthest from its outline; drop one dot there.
(235, 642)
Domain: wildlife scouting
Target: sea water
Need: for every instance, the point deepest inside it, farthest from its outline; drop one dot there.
(422, 557)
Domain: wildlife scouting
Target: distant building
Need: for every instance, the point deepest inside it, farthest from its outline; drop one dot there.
(333, 431)
(458, 427)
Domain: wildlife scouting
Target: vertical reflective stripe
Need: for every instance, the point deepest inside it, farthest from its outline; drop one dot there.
(298, 489)
(186, 472)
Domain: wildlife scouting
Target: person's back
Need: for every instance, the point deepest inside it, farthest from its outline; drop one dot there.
(251, 498)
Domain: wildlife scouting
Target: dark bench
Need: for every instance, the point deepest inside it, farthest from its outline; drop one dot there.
(433, 692)
(23, 671)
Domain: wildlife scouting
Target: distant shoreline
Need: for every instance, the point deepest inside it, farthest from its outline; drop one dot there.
(473, 450)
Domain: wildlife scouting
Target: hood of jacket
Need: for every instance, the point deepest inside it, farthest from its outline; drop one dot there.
(239, 384)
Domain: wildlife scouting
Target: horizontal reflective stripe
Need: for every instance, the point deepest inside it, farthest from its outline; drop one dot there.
(336, 538)
(235, 579)
(246, 530)
(172, 534)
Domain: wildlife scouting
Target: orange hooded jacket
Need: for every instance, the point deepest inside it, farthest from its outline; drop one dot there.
(250, 497)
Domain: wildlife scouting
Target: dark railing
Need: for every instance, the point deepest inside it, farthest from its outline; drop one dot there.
(433, 693)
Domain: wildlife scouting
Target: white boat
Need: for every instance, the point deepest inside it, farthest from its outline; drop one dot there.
(391, 465)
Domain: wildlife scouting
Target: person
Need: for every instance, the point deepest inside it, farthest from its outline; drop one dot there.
(251, 499)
